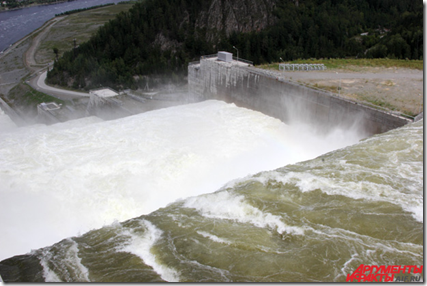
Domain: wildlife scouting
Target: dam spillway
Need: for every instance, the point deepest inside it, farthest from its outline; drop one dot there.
(160, 174)
(240, 83)
(317, 220)
(90, 172)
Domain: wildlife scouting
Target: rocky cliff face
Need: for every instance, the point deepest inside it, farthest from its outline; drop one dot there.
(222, 17)
(236, 16)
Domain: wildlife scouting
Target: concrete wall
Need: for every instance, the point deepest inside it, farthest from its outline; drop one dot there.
(258, 90)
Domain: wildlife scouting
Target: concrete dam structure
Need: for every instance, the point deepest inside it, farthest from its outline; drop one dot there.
(240, 83)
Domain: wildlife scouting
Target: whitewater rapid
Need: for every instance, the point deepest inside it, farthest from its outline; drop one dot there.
(6, 124)
(66, 179)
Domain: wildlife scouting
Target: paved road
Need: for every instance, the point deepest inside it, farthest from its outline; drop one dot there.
(38, 82)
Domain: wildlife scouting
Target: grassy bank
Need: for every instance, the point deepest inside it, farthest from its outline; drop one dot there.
(23, 99)
(79, 26)
(23, 94)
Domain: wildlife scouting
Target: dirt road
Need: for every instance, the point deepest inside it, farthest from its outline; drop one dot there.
(29, 58)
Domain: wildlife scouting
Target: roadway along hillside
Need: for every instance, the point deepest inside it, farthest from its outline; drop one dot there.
(38, 82)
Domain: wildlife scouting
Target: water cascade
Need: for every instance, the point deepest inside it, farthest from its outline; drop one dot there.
(207, 192)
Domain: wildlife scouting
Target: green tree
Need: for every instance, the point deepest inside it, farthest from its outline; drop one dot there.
(56, 52)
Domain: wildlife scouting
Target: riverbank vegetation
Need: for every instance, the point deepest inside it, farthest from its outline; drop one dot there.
(82, 9)
(29, 96)
(14, 4)
(161, 37)
(24, 99)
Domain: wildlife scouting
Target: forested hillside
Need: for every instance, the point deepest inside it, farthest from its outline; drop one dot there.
(162, 36)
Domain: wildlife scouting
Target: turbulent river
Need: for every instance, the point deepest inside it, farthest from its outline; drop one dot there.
(206, 192)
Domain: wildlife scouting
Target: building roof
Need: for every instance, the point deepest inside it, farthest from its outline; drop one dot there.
(104, 92)
(47, 106)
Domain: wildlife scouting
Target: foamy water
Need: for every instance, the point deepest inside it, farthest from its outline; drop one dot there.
(315, 220)
(6, 124)
(63, 180)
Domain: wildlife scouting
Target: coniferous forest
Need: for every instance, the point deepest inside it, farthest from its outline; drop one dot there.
(160, 37)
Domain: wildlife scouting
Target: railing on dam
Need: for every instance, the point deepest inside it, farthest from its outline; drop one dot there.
(216, 55)
(209, 56)
(202, 58)
(304, 67)
(194, 63)
(243, 61)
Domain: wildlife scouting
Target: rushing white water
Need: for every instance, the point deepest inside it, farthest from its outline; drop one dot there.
(6, 124)
(62, 180)
(141, 246)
